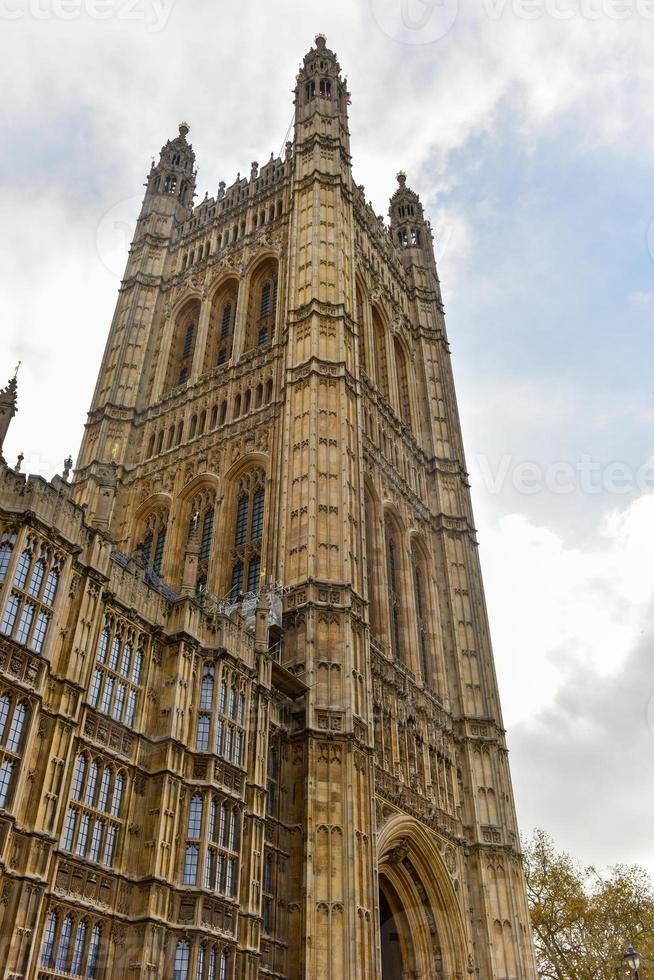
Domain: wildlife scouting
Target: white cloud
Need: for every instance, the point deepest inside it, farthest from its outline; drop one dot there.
(557, 609)
(573, 632)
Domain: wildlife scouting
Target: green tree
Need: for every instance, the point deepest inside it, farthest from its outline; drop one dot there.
(583, 919)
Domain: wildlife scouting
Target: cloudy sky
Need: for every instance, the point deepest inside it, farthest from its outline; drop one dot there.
(527, 127)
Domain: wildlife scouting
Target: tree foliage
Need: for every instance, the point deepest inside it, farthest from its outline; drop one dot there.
(583, 919)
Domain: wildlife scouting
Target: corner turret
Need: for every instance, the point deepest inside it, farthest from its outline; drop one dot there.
(321, 98)
(8, 404)
(174, 175)
(410, 231)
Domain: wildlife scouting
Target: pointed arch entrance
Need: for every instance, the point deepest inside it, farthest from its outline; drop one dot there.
(421, 931)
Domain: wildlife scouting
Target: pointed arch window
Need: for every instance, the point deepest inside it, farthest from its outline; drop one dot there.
(394, 594)
(403, 383)
(191, 858)
(151, 550)
(222, 318)
(78, 951)
(381, 359)
(207, 531)
(22, 568)
(16, 729)
(195, 817)
(38, 575)
(13, 715)
(79, 776)
(7, 542)
(28, 607)
(49, 933)
(419, 586)
(182, 957)
(182, 348)
(262, 305)
(226, 325)
(221, 724)
(116, 681)
(206, 692)
(199, 973)
(224, 964)
(201, 526)
(94, 952)
(248, 532)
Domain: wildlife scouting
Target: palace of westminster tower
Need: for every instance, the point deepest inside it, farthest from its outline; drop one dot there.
(249, 720)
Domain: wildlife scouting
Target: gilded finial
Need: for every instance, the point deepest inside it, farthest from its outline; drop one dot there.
(184, 129)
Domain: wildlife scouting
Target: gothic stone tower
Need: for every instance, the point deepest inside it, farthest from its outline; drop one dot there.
(260, 731)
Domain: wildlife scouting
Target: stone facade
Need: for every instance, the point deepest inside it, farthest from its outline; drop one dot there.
(249, 722)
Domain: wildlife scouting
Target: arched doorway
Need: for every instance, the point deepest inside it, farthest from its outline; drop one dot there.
(391, 925)
(421, 930)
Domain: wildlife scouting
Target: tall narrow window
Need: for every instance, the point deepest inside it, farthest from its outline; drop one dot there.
(381, 362)
(182, 347)
(403, 383)
(188, 340)
(118, 795)
(394, 596)
(78, 777)
(182, 956)
(48, 939)
(206, 693)
(199, 973)
(94, 952)
(248, 533)
(361, 325)
(153, 543)
(224, 964)
(69, 829)
(421, 615)
(12, 721)
(262, 306)
(207, 531)
(37, 578)
(20, 576)
(78, 951)
(16, 728)
(159, 550)
(195, 817)
(7, 542)
(191, 864)
(6, 773)
(218, 349)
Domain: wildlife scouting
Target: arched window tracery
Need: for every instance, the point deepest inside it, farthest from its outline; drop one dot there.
(363, 353)
(381, 357)
(182, 348)
(201, 526)
(221, 723)
(153, 540)
(393, 575)
(29, 603)
(422, 612)
(248, 532)
(222, 320)
(94, 819)
(262, 305)
(402, 370)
